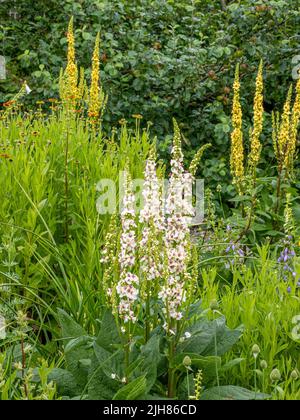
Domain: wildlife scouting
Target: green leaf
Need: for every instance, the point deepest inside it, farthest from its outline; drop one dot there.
(77, 342)
(69, 328)
(230, 392)
(72, 334)
(147, 362)
(209, 364)
(101, 385)
(108, 334)
(132, 391)
(231, 364)
(223, 338)
(209, 338)
(65, 382)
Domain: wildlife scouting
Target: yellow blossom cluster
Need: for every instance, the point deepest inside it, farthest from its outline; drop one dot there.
(237, 148)
(285, 128)
(94, 98)
(71, 69)
(257, 119)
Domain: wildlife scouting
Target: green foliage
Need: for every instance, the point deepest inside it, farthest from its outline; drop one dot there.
(159, 58)
(107, 377)
(231, 393)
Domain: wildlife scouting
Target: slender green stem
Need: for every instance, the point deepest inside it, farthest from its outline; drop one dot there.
(66, 184)
(255, 379)
(148, 316)
(188, 383)
(278, 192)
(171, 372)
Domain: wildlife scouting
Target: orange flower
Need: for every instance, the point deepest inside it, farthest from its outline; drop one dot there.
(8, 103)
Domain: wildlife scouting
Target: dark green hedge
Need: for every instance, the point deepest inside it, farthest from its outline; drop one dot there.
(159, 58)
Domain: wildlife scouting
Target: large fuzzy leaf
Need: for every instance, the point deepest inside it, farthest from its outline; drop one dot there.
(210, 338)
(108, 335)
(132, 391)
(231, 392)
(75, 340)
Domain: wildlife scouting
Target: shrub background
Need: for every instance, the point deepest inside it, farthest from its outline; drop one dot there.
(160, 59)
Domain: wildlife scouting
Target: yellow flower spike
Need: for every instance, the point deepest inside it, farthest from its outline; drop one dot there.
(257, 119)
(197, 158)
(177, 149)
(295, 119)
(95, 91)
(71, 69)
(198, 384)
(284, 133)
(237, 147)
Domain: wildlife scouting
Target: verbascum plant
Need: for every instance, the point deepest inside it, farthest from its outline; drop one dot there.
(197, 158)
(285, 132)
(151, 243)
(72, 86)
(71, 72)
(237, 147)
(97, 99)
(285, 129)
(128, 286)
(177, 237)
(109, 259)
(289, 223)
(245, 180)
(82, 87)
(258, 108)
(275, 131)
(295, 119)
(284, 144)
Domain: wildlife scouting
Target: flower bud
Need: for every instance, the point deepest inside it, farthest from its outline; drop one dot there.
(295, 374)
(263, 364)
(187, 361)
(255, 351)
(214, 305)
(275, 375)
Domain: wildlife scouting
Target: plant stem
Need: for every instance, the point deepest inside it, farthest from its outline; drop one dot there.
(171, 372)
(24, 365)
(255, 379)
(147, 329)
(250, 217)
(278, 192)
(66, 184)
(127, 351)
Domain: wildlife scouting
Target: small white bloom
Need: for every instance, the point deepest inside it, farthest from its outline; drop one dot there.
(113, 376)
(123, 380)
(27, 88)
(187, 334)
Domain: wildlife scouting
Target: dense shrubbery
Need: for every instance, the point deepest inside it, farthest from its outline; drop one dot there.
(161, 59)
